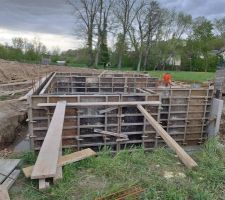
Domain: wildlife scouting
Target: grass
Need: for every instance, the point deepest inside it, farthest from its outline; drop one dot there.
(98, 176)
(193, 77)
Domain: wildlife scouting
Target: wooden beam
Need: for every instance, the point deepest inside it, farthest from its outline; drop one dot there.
(111, 133)
(34, 89)
(47, 84)
(141, 90)
(11, 179)
(59, 173)
(6, 167)
(102, 73)
(4, 195)
(67, 159)
(107, 110)
(151, 91)
(46, 163)
(43, 184)
(90, 104)
(184, 157)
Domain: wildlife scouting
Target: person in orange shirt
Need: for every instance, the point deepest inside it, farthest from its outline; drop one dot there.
(167, 79)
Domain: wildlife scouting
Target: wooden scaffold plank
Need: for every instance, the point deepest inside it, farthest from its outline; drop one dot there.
(46, 163)
(11, 179)
(4, 195)
(6, 167)
(184, 157)
(66, 159)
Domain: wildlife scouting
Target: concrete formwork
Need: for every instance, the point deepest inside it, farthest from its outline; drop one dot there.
(184, 112)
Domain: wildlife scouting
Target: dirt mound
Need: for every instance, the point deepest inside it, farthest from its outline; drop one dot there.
(15, 80)
(12, 71)
(12, 115)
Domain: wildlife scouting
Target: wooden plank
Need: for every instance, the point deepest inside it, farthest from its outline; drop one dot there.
(67, 159)
(47, 84)
(11, 179)
(6, 167)
(90, 104)
(46, 163)
(35, 87)
(107, 110)
(102, 73)
(120, 135)
(184, 157)
(4, 195)
(43, 184)
(59, 168)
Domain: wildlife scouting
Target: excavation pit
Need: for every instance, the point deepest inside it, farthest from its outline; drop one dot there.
(107, 102)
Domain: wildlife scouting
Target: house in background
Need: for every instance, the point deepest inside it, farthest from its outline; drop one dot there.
(221, 52)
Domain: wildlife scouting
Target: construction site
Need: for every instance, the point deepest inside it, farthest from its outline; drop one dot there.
(87, 112)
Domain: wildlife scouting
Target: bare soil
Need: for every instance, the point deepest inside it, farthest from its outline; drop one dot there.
(16, 79)
(12, 117)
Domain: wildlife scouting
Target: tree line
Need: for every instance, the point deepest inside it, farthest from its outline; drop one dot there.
(23, 49)
(148, 35)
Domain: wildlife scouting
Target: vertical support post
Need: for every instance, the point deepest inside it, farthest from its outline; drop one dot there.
(158, 119)
(78, 126)
(119, 125)
(30, 124)
(204, 115)
(187, 117)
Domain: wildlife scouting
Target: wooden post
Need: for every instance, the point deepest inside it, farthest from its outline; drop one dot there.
(184, 157)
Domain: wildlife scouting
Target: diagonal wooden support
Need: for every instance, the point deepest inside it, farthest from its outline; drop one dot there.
(107, 110)
(118, 135)
(46, 163)
(184, 157)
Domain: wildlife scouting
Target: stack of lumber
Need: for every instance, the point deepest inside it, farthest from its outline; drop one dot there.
(8, 175)
(50, 160)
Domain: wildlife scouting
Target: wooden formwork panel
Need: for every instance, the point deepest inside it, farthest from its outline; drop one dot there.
(75, 84)
(185, 112)
(80, 123)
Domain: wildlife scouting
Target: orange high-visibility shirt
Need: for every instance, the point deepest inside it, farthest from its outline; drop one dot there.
(167, 78)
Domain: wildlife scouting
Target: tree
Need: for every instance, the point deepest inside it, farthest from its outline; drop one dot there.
(155, 20)
(124, 12)
(18, 43)
(137, 32)
(86, 11)
(202, 35)
(219, 25)
(102, 24)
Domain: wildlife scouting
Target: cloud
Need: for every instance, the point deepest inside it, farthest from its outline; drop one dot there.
(50, 40)
(47, 16)
(54, 23)
(208, 8)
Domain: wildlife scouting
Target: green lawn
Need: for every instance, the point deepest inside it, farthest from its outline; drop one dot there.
(98, 176)
(197, 77)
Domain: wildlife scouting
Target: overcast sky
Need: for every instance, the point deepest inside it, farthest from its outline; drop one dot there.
(52, 20)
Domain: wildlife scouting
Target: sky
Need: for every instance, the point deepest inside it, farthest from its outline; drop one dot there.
(52, 21)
